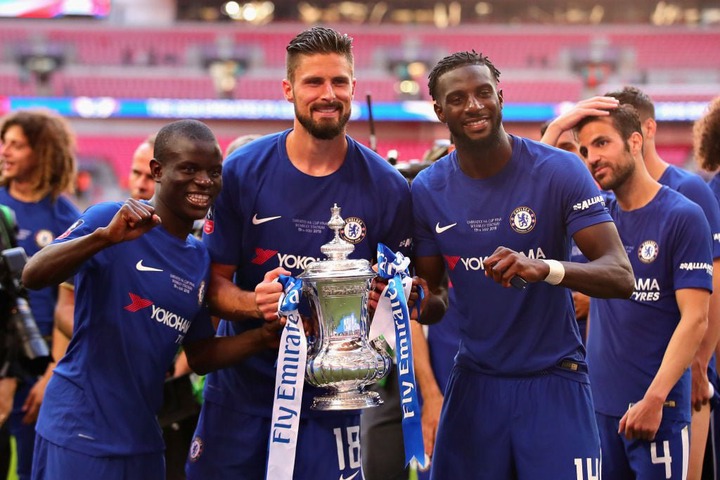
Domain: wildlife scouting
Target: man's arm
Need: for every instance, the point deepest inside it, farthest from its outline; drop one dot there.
(230, 302)
(57, 262)
(700, 390)
(607, 274)
(432, 395)
(595, 106)
(64, 311)
(642, 420)
(214, 353)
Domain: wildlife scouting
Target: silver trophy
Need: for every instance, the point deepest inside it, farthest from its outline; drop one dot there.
(341, 359)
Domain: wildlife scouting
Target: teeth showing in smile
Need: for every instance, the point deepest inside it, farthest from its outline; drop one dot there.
(199, 199)
(476, 123)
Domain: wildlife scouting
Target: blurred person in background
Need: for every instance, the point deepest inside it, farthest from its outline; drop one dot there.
(38, 170)
(271, 219)
(140, 180)
(239, 142)
(706, 145)
(692, 186)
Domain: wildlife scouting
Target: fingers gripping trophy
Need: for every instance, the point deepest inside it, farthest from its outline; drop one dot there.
(342, 359)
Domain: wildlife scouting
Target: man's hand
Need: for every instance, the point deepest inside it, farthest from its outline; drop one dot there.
(432, 405)
(505, 263)
(267, 294)
(417, 284)
(376, 289)
(700, 386)
(269, 333)
(31, 407)
(582, 304)
(132, 220)
(594, 106)
(642, 420)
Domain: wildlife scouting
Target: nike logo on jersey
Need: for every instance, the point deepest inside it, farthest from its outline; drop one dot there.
(143, 268)
(439, 229)
(343, 477)
(258, 221)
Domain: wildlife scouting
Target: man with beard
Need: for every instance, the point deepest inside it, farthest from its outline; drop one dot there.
(640, 350)
(271, 219)
(498, 214)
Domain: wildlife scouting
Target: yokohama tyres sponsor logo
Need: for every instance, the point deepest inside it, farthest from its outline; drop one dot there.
(285, 260)
(159, 314)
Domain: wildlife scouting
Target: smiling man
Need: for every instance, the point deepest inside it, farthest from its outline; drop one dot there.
(271, 219)
(141, 280)
(503, 209)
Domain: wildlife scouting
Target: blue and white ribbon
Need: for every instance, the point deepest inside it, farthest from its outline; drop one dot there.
(289, 382)
(392, 309)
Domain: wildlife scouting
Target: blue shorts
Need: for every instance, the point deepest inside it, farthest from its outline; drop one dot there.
(664, 457)
(538, 427)
(53, 462)
(229, 444)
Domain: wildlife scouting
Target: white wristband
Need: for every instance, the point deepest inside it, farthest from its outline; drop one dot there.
(557, 272)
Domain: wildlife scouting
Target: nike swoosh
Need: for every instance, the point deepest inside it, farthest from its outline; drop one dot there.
(258, 221)
(440, 229)
(143, 268)
(342, 476)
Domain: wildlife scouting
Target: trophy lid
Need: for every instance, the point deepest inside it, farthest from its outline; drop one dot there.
(337, 265)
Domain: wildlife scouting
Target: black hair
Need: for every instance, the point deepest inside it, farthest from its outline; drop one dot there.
(456, 60)
(193, 130)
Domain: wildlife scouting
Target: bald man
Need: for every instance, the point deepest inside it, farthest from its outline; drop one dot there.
(140, 180)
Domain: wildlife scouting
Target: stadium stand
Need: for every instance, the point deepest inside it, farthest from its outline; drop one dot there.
(540, 64)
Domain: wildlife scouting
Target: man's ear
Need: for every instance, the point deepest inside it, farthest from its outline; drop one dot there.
(155, 169)
(636, 143)
(287, 90)
(439, 112)
(650, 128)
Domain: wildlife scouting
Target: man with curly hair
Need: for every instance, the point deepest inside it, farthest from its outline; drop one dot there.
(38, 170)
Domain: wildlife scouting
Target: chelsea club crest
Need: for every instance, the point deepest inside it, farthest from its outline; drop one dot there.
(522, 219)
(354, 230)
(648, 251)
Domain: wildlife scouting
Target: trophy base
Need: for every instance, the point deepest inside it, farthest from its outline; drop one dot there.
(347, 401)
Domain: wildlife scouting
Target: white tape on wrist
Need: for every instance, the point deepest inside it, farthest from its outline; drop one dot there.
(557, 272)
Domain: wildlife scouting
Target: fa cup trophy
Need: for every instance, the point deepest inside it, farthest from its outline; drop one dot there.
(342, 359)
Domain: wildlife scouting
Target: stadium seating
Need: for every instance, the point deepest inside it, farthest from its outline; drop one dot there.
(538, 63)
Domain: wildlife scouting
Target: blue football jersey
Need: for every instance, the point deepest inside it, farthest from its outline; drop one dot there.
(668, 243)
(694, 188)
(534, 206)
(270, 214)
(38, 224)
(136, 303)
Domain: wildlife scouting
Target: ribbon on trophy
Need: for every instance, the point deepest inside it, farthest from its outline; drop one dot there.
(392, 323)
(289, 382)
